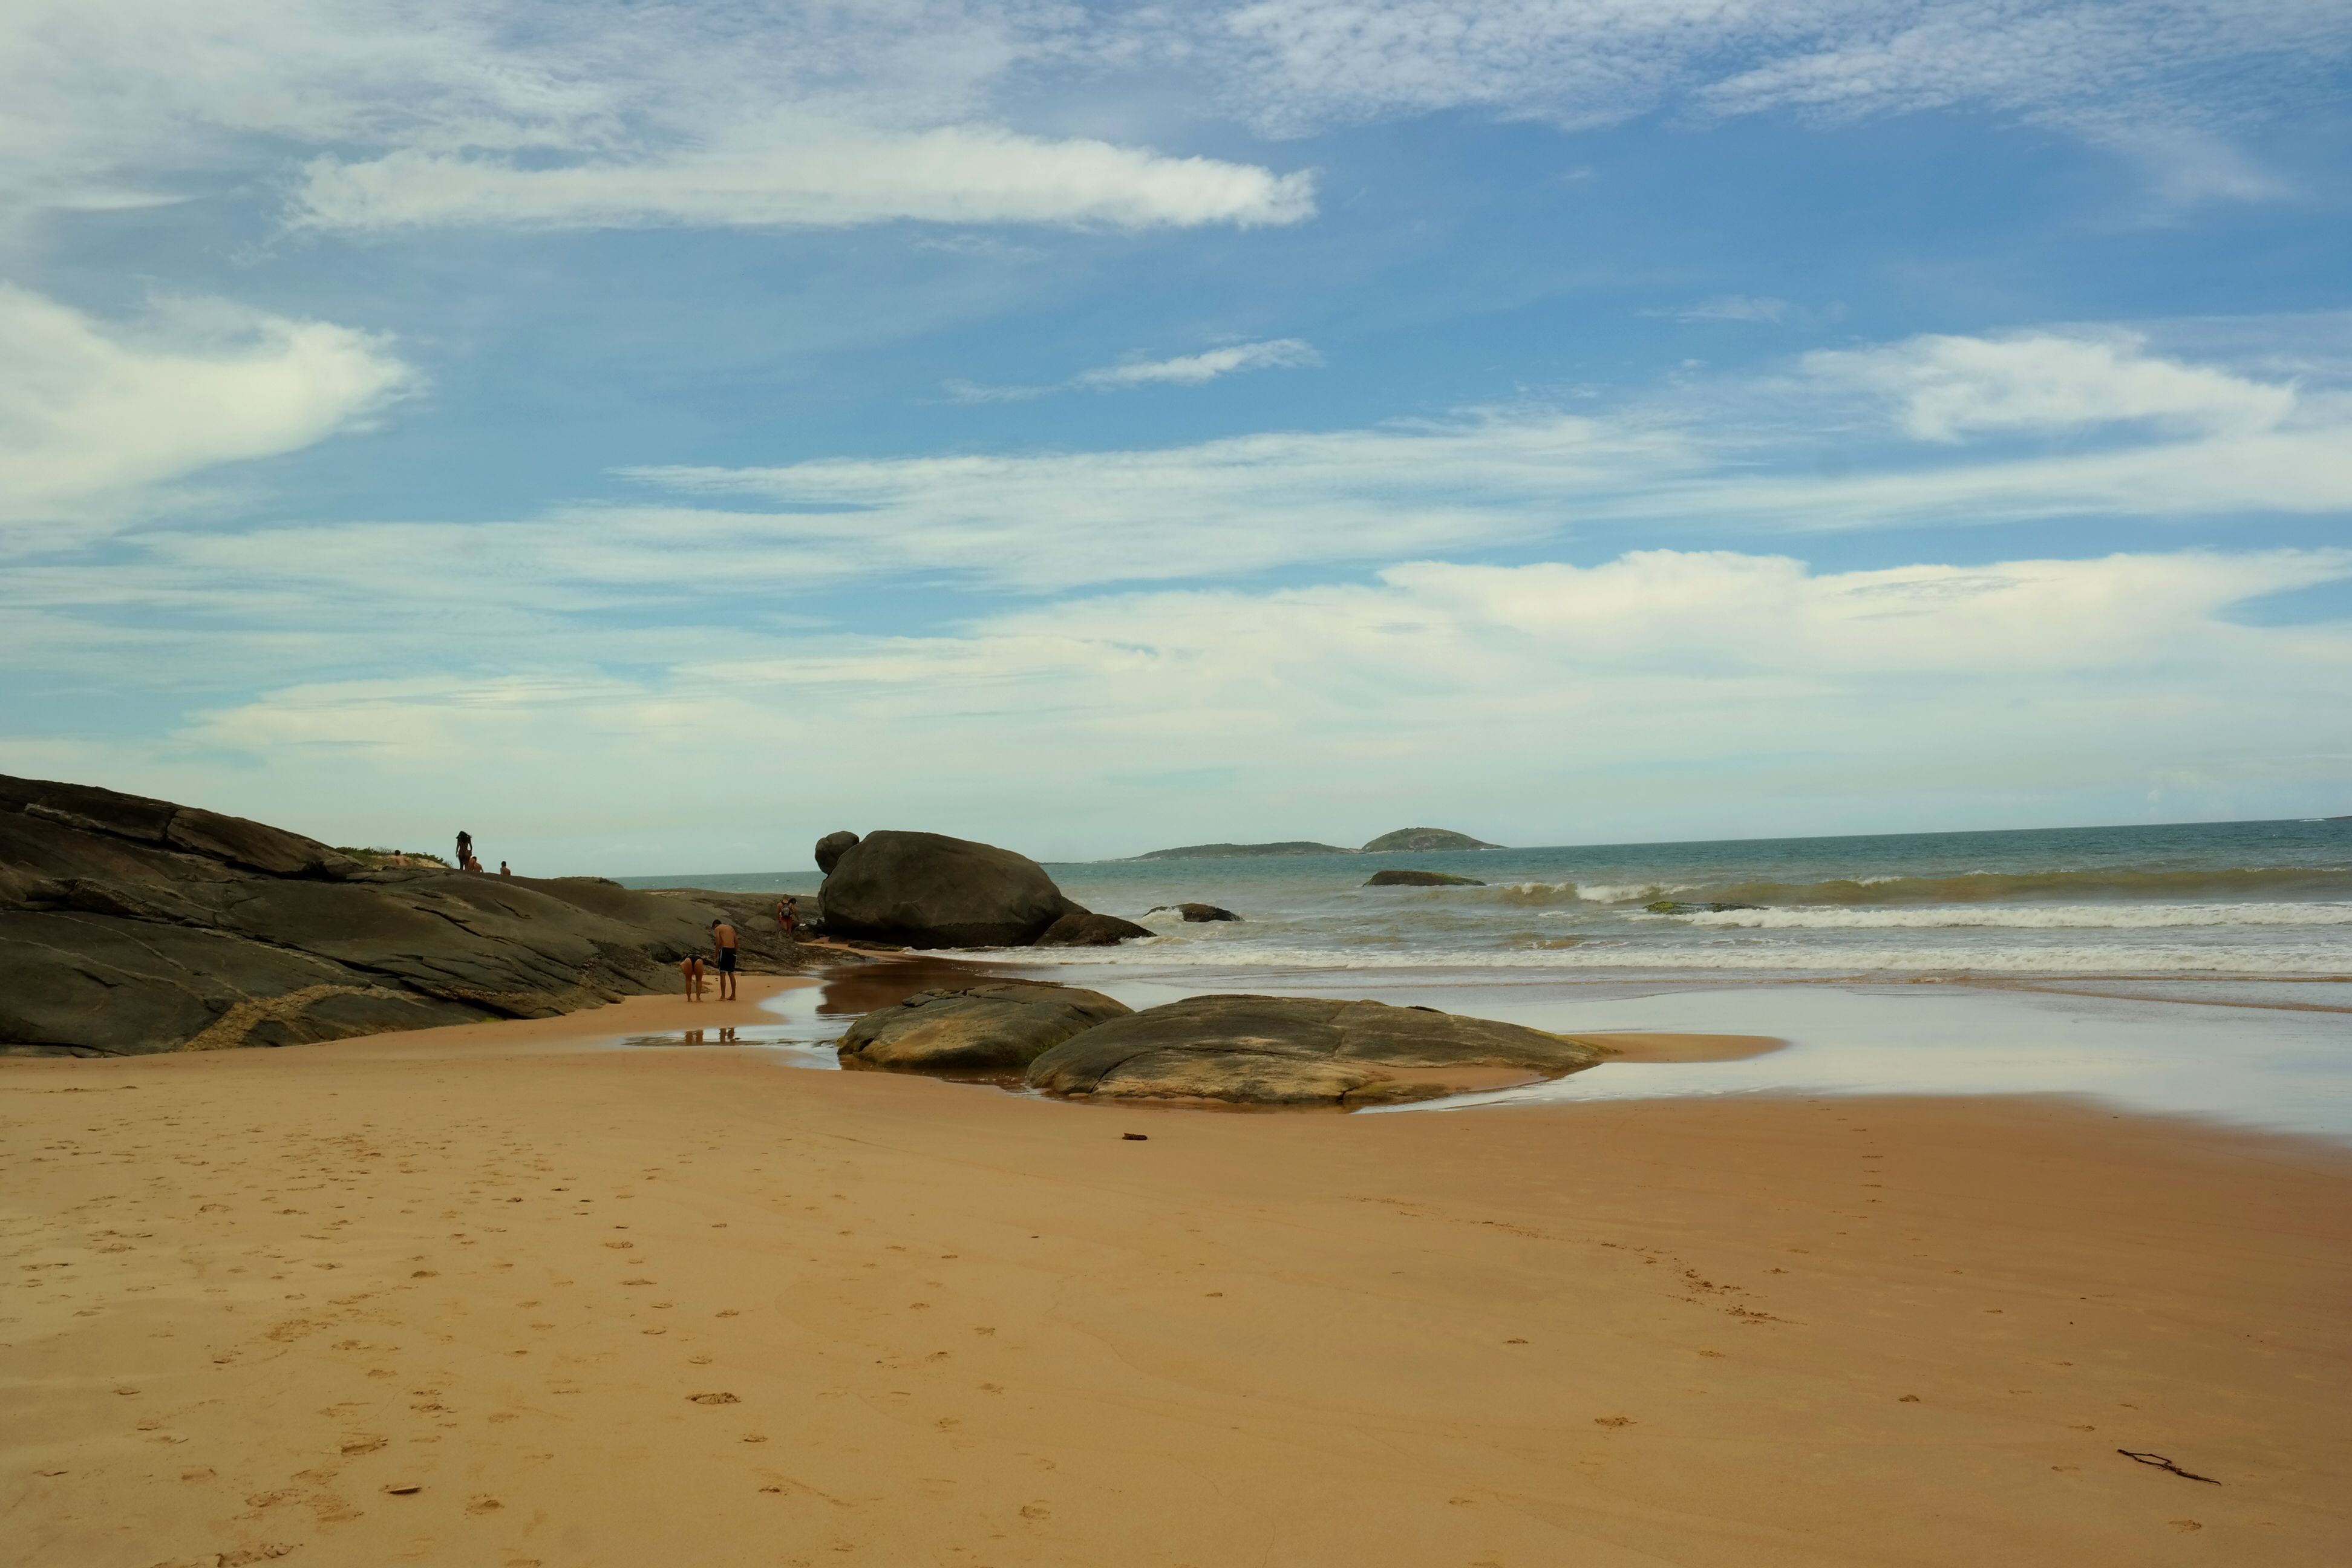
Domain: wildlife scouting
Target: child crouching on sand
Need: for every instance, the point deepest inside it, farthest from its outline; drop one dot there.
(691, 967)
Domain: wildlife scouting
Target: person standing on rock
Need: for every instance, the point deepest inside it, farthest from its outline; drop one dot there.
(503, 870)
(788, 915)
(465, 850)
(722, 938)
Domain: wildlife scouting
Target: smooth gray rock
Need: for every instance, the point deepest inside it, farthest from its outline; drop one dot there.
(1419, 879)
(929, 890)
(1286, 1050)
(832, 848)
(130, 925)
(1083, 928)
(990, 1029)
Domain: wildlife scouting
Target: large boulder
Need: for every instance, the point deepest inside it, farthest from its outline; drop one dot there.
(995, 1027)
(131, 925)
(1421, 880)
(1288, 1050)
(926, 889)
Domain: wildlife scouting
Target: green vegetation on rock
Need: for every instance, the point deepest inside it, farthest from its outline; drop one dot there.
(1420, 841)
(1240, 851)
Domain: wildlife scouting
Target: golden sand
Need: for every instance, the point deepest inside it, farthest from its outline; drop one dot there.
(482, 1296)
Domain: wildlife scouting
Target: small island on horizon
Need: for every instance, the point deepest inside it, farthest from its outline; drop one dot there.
(1404, 840)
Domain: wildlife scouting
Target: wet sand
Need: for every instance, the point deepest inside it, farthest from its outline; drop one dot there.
(624, 1306)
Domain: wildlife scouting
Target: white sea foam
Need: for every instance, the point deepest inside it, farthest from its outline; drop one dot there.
(1757, 955)
(2024, 916)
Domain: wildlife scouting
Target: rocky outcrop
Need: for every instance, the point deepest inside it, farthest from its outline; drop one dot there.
(1083, 928)
(1281, 1050)
(1194, 912)
(928, 891)
(131, 925)
(995, 1028)
(1419, 879)
(1423, 841)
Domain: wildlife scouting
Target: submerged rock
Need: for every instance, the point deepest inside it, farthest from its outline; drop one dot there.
(1421, 880)
(1195, 913)
(994, 1027)
(1674, 907)
(1286, 1050)
(1083, 928)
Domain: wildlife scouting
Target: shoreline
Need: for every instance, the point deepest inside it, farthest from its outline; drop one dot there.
(600, 1306)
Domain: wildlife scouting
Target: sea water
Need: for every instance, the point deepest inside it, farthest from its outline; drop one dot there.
(2222, 902)
(2200, 970)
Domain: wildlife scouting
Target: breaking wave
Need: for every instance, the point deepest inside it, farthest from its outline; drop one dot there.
(2053, 887)
(2041, 917)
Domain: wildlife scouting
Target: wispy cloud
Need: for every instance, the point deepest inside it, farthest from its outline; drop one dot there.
(1732, 308)
(94, 414)
(2154, 70)
(1185, 369)
(814, 177)
(400, 114)
(1191, 370)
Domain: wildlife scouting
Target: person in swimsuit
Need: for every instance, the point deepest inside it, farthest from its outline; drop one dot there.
(465, 850)
(691, 967)
(502, 869)
(722, 938)
(788, 915)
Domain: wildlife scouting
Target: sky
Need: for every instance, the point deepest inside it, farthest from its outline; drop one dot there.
(652, 435)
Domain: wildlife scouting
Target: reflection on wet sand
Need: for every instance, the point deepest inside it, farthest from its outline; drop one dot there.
(858, 988)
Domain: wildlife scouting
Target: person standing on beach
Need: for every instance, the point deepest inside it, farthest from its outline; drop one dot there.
(691, 967)
(722, 937)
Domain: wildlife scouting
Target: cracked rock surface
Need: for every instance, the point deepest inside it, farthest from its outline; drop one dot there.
(131, 925)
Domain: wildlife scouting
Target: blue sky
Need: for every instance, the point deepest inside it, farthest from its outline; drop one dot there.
(653, 434)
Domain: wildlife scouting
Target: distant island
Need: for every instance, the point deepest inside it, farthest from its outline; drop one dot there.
(1242, 851)
(1410, 840)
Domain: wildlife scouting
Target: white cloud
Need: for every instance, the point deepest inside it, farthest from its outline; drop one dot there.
(1600, 702)
(1191, 370)
(814, 177)
(92, 414)
(535, 113)
(1947, 387)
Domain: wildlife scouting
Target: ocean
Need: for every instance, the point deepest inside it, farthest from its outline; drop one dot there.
(2198, 969)
(2215, 902)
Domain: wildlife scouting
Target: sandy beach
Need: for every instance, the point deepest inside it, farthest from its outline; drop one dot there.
(487, 1296)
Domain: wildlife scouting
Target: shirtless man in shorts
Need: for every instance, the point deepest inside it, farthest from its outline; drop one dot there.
(722, 937)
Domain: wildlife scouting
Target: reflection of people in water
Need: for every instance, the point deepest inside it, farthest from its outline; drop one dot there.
(722, 938)
(691, 967)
